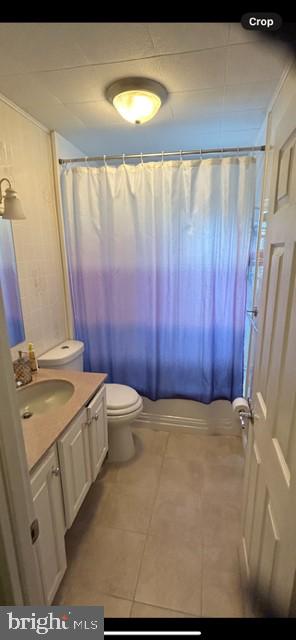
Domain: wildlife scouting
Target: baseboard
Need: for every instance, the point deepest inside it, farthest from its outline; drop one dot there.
(191, 425)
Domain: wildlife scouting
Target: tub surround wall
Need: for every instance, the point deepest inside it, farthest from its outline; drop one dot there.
(25, 157)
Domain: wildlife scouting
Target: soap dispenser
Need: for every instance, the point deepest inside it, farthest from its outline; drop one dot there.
(22, 369)
(32, 357)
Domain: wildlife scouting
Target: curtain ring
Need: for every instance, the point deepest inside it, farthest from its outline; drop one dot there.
(123, 158)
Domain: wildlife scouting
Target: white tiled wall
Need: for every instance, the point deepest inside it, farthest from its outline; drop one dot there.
(25, 158)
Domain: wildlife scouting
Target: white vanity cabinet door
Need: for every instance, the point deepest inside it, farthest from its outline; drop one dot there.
(98, 431)
(75, 465)
(48, 504)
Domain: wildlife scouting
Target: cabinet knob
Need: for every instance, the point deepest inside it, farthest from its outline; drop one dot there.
(96, 416)
(55, 471)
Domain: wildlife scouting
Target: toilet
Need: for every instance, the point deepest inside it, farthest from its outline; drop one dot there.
(67, 355)
(123, 403)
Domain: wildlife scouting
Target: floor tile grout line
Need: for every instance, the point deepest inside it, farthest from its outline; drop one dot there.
(164, 608)
(148, 528)
(105, 526)
(166, 444)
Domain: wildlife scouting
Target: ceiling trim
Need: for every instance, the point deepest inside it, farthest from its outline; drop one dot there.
(23, 113)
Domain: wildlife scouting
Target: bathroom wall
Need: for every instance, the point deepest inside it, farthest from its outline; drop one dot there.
(65, 148)
(25, 158)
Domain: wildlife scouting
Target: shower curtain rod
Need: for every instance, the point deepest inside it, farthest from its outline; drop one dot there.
(161, 154)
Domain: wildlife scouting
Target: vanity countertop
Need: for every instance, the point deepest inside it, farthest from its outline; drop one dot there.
(41, 431)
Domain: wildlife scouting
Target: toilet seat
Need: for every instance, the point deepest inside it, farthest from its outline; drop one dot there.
(121, 399)
(126, 410)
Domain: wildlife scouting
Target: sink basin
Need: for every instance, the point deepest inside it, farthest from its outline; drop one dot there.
(43, 396)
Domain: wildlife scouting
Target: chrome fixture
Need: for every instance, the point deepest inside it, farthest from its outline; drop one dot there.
(253, 312)
(244, 416)
(55, 471)
(166, 154)
(11, 209)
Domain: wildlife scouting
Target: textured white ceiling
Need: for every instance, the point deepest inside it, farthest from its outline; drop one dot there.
(220, 79)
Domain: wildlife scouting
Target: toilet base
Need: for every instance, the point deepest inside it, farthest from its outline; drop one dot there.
(121, 443)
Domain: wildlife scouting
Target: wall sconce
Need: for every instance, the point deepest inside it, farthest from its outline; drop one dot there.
(11, 209)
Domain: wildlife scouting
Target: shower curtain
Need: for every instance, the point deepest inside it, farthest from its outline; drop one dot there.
(158, 256)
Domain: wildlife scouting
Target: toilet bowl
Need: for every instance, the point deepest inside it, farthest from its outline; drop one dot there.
(124, 405)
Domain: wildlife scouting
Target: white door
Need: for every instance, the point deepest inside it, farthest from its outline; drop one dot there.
(98, 431)
(269, 513)
(48, 503)
(75, 465)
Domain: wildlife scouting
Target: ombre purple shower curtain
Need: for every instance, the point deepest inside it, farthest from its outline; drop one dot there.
(158, 256)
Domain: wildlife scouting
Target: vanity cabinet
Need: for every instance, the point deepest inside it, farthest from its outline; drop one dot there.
(48, 504)
(60, 483)
(98, 431)
(82, 450)
(74, 454)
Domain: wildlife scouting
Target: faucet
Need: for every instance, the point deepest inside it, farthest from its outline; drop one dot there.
(18, 383)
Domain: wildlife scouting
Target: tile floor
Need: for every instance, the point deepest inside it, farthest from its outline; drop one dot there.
(158, 536)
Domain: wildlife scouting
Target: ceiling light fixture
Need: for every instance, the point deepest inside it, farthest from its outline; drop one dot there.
(12, 209)
(136, 99)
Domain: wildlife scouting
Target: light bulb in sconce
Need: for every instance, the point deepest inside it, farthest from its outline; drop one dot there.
(10, 205)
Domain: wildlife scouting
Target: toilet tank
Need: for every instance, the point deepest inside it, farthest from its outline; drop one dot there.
(67, 355)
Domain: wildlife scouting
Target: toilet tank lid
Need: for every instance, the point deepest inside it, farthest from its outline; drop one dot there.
(62, 353)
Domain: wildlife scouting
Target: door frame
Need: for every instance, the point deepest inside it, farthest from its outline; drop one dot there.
(20, 583)
(256, 294)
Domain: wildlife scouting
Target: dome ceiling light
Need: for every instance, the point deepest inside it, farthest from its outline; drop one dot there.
(137, 100)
